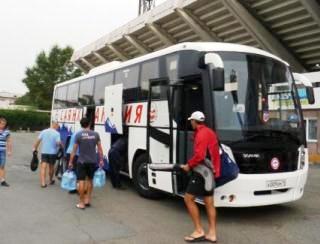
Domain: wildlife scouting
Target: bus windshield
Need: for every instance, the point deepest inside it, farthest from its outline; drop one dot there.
(260, 98)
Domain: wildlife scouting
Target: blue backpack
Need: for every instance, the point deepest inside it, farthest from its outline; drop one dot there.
(229, 169)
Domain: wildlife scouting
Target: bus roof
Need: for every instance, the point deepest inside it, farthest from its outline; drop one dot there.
(196, 46)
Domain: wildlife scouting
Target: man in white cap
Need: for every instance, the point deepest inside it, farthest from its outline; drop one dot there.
(205, 141)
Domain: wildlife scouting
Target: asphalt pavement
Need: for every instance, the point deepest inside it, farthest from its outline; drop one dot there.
(30, 214)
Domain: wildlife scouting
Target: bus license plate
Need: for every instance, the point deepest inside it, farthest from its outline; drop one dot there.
(275, 184)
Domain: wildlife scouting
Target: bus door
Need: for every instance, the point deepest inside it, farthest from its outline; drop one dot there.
(159, 135)
(113, 109)
(186, 99)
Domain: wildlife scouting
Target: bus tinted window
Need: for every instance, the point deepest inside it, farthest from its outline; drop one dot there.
(172, 67)
(72, 97)
(101, 82)
(128, 76)
(60, 97)
(86, 92)
(149, 70)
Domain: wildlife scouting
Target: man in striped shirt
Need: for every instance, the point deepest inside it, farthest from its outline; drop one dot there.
(5, 148)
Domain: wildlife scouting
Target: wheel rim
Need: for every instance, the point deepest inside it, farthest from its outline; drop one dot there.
(143, 176)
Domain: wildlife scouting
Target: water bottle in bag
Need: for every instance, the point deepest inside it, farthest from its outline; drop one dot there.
(99, 179)
(69, 181)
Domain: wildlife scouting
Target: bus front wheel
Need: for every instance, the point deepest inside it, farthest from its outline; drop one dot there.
(140, 178)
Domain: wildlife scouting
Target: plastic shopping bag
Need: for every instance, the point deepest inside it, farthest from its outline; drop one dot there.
(99, 179)
(69, 181)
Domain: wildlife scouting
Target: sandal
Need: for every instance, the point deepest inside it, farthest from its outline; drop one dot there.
(52, 182)
(79, 206)
(194, 239)
(44, 186)
(210, 241)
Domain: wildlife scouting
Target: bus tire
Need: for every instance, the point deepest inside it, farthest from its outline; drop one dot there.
(140, 178)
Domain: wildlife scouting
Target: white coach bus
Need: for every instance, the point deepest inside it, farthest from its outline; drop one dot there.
(249, 98)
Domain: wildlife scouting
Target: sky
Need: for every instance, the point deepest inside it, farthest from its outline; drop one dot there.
(28, 27)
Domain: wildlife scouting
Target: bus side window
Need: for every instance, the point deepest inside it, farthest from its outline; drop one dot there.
(72, 97)
(86, 92)
(60, 97)
(101, 82)
(149, 70)
(128, 77)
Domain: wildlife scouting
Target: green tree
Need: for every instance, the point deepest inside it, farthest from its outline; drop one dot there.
(48, 70)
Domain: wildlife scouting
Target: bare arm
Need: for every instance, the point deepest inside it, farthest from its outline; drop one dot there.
(36, 145)
(73, 153)
(9, 146)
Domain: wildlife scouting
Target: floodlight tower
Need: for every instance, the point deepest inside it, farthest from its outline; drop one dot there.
(146, 5)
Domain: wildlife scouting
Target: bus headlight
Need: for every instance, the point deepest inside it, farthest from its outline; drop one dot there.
(302, 157)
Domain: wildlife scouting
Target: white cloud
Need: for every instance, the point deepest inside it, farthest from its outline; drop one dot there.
(30, 26)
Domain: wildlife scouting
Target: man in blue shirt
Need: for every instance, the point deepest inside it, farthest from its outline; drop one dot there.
(5, 148)
(50, 139)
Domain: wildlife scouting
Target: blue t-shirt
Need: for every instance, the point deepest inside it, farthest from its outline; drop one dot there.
(50, 139)
(4, 134)
(87, 141)
(71, 144)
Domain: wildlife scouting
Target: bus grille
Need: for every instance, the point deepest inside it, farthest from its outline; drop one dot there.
(260, 162)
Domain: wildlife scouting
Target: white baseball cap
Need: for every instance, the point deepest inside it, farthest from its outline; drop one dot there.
(198, 116)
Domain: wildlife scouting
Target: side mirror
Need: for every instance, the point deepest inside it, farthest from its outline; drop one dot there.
(214, 63)
(310, 94)
(217, 80)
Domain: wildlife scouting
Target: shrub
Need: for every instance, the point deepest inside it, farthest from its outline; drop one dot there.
(19, 119)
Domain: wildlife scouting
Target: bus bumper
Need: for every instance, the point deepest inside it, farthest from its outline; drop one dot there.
(250, 190)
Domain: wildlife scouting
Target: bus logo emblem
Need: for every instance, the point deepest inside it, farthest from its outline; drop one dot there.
(275, 163)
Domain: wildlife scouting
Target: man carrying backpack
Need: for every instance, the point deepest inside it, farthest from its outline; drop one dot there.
(205, 142)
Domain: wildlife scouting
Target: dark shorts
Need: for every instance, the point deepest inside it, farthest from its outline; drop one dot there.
(85, 170)
(49, 158)
(196, 186)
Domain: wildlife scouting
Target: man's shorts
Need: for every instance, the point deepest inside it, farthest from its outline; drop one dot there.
(196, 186)
(2, 159)
(49, 158)
(85, 170)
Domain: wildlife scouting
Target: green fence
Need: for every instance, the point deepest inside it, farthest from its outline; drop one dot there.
(26, 120)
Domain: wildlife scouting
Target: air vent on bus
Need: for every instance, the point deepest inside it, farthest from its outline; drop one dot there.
(270, 192)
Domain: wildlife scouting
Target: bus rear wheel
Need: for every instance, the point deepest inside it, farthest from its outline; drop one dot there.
(140, 178)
